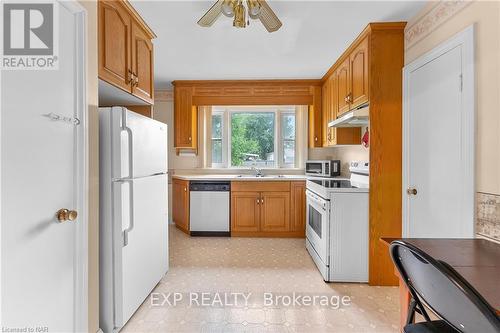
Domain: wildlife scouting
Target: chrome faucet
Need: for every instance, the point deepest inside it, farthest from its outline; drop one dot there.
(258, 172)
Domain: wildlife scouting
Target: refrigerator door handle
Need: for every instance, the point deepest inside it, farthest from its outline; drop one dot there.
(131, 210)
(130, 151)
(129, 143)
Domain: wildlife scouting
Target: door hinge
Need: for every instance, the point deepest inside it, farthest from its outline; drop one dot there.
(461, 78)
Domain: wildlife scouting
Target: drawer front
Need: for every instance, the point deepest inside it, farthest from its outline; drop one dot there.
(260, 186)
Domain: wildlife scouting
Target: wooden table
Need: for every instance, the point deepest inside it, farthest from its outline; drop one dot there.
(477, 260)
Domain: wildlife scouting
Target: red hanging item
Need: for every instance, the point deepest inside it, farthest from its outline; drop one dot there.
(365, 141)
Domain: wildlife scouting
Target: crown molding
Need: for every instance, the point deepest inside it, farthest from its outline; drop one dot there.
(164, 95)
(431, 18)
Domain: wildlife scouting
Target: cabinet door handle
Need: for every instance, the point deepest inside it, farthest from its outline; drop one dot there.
(130, 77)
(189, 138)
(136, 80)
(316, 138)
(185, 189)
(258, 201)
(262, 201)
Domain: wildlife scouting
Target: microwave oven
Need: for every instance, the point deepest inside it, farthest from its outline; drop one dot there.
(330, 168)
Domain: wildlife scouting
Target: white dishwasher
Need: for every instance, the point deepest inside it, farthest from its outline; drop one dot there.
(209, 208)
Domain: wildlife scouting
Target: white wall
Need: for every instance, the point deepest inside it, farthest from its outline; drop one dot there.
(345, 154)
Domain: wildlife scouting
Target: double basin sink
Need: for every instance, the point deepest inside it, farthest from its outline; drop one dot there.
(261, 176)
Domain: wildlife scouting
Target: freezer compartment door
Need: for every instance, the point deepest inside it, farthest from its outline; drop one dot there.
(140, 145)
(144, 243)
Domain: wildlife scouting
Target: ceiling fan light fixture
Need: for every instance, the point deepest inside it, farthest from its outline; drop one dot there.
(257, 9)
(239, 16)
(253, 9)
(228, 7)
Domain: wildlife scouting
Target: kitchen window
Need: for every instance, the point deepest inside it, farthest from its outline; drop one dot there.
(217, 126)
(245, 137)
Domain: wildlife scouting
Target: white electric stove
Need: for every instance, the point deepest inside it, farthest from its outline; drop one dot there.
(337, 224)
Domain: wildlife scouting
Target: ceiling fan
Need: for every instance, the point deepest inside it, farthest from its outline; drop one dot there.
(257, 9)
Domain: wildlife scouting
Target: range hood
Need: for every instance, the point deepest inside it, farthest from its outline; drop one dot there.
(355, 118)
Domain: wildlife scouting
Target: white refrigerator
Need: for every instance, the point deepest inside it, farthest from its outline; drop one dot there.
(133, 212)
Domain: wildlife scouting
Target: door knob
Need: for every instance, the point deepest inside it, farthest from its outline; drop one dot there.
(64, 215)
(411, 191)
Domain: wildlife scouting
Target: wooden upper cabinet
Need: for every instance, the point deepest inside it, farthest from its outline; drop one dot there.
(326, 105)
(335, 136)
(185, 118)
(359, 74)
(125, 49)
(245, 211)
(332, 115)
(114, 44)
(315, 119)
(180, 203)
(275, 211)
(343, 87)
(142, 64)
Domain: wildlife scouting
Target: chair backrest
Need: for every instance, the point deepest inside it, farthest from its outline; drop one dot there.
(443, 290)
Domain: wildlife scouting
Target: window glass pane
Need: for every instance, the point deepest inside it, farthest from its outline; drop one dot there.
(252, 139)
(217, 151)
(288, 126)
(288, 137)
(217, 138)
(217, 126)
(289, 152)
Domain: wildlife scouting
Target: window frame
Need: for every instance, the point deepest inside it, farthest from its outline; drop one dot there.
(281, 140)
(223, 139)
(278, 111)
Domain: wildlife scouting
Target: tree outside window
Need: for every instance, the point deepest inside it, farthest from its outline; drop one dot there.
(264, 138)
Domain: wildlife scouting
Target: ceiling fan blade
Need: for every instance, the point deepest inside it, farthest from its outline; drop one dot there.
(211, 15)
(268, 18)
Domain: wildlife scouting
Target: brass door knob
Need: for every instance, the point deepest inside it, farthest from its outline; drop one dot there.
(64, 215)
(411, 191)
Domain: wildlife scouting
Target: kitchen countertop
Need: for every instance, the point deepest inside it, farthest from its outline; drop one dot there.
(241, 177)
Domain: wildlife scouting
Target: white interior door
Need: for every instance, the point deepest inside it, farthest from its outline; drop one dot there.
(43, 283)
(439, 142)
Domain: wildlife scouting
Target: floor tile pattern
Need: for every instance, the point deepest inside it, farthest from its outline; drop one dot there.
(252, 267)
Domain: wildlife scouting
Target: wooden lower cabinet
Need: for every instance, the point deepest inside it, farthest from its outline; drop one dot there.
(180, 204)
(298, 208)
(245, 211)
(275, 211)
(267, 210)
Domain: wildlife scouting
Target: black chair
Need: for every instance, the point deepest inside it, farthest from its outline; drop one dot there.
(444, 291)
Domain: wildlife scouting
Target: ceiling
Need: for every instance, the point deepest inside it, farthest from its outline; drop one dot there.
(313, 36)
